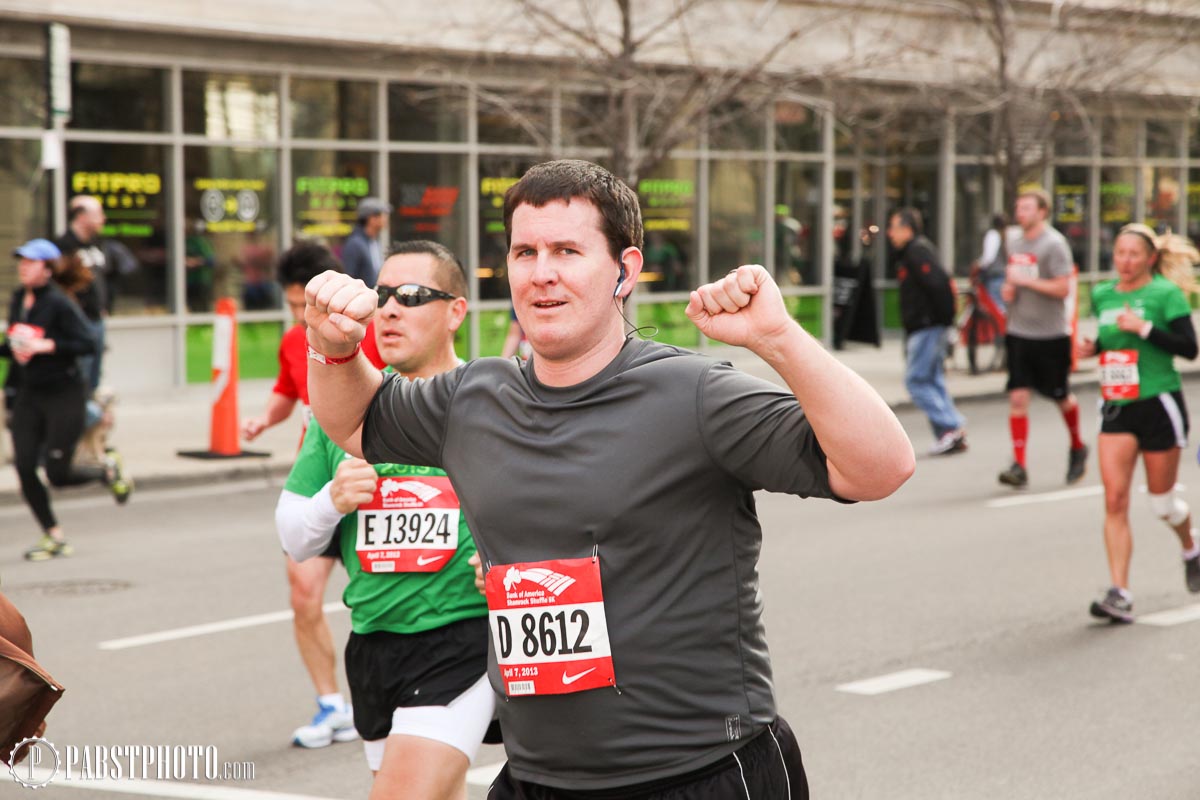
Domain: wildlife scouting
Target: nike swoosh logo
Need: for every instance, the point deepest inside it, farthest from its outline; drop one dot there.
(423, 561)
(569, 679)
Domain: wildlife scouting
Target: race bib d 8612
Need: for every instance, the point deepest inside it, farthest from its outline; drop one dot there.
(410, 525)
(1119, 379)
(548, 626)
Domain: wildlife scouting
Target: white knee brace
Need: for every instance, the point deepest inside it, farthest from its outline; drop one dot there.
(1169, 507)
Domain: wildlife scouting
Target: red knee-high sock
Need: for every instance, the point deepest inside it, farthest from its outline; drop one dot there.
(1019, 427)
(1071, 417)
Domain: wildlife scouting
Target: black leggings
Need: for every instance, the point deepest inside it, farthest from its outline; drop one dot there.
(49, 420)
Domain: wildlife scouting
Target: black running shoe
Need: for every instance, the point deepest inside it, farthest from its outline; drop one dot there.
(1191, 572)
(1076, 463)
(1015, 476)
(1113, 606)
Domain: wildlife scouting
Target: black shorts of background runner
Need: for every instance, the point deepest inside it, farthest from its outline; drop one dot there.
(1159, 422)
(48, 420)
(334, 550)
(768, 767)
(387, 671)
(1043, 365)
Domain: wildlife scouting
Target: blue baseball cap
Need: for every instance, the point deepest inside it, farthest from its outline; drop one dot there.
(38, 250)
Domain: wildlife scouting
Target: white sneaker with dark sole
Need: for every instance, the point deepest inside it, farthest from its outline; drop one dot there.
(329, 725)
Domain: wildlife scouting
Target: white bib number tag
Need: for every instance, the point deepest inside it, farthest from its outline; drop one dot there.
(1022, 265)
(548, 626)
(1119, 378)
(410, 525)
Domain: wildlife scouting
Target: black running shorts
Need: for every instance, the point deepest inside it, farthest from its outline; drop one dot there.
(768, 767)
(387, 670)
(1159, 422)
(1043, 365)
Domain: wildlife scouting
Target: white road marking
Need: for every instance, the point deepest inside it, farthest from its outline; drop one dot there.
(904, 679)
(1045, 497)
(192, 791)
(207, 628)
(1173, 616)
(484, 775)
(142, 496)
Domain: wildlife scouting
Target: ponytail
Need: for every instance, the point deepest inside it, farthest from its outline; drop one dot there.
(1177, 258)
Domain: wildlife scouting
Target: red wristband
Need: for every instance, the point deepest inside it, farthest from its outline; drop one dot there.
(321, 358)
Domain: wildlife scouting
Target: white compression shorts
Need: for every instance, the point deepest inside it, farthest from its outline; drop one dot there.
(461, 724)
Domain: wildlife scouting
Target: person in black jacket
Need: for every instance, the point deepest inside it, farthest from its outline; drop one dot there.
(46, 335)
(926, 310)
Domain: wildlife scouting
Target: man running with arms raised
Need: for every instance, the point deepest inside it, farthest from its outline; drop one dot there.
(609, 483)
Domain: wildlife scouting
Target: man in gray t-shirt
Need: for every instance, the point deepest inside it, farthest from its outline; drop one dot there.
(1039, 291)
(609, 484)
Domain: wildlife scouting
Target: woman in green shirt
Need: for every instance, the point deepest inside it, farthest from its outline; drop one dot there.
(1145, 321)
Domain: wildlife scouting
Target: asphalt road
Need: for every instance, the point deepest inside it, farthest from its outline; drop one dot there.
(1024, 695)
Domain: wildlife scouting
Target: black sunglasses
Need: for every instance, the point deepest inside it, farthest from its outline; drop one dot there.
(411, 294)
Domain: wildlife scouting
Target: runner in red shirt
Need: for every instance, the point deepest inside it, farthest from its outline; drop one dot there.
(333, 720)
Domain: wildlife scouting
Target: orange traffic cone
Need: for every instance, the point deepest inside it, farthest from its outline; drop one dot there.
(223, 432)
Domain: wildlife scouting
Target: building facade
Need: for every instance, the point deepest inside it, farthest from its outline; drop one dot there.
(215, 135)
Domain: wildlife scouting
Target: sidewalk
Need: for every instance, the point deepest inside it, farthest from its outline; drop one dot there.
(152, 427)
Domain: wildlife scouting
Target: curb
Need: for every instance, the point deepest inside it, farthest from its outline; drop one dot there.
(230, 474)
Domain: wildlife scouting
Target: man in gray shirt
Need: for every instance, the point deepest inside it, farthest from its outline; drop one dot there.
(610, 485)
(1038, 291)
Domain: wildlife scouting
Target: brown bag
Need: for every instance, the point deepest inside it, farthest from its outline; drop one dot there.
(27, 692)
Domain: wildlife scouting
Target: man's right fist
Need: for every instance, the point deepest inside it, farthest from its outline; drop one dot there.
(353, 484)
(337, 310)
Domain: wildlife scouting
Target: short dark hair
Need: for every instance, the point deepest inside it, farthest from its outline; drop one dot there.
(910, 218)
(450, 270)
(304, 261)
(567, 179)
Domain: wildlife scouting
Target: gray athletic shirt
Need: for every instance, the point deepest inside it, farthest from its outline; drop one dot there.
(653, 461)
(1033, 315)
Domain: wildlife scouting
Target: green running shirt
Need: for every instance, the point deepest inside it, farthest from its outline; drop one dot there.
(1160, 301)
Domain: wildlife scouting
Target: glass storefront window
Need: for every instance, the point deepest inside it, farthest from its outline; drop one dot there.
(972, 215)
(1193, 142)
(658, 123)
(667, 195)
(25, 198)
(1162, 138)
(734, 126)
(514, 117)
(1118, 137)
(1072, 135)
(496, 174)
(230, 221)
(1116, 208)
(590, 120)
(918, 134)
(736, 214)
(330, 109)
(797, 128)
(1163, 191)
(426, 113)
(131, 182)
(429, 201)
(107, 97)
(797, 212)
(222, 105)
(1070, 212)
(326, 188)
(22, 93)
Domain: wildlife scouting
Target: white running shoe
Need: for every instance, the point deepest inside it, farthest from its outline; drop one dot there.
(949, 442)
(329, 725)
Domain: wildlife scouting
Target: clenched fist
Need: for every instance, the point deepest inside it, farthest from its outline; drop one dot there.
(337, 310)
(353, 484)
(744, 308)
